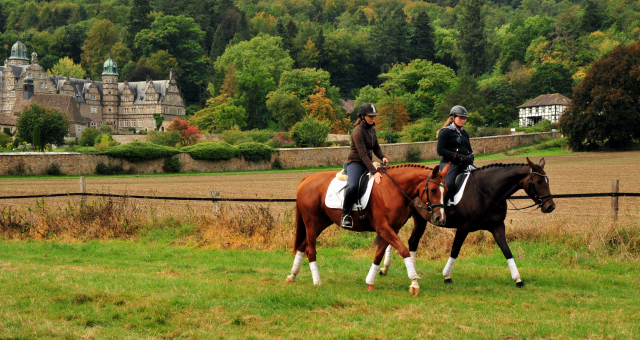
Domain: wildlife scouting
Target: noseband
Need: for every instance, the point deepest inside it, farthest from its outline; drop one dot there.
(430, 207)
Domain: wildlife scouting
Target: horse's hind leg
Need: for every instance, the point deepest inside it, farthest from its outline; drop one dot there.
(501, 240)
(458, 240)
(375, 266)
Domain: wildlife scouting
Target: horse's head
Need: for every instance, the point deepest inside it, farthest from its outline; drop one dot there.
(537, 187)
(433, 194)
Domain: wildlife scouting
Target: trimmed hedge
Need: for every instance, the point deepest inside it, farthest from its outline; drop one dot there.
(255, 152)
(137, 151)
(212, 151)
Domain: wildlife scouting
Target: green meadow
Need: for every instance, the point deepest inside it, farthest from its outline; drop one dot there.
(153, 290)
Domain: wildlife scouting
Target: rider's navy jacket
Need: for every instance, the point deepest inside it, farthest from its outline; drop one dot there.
(451, 142)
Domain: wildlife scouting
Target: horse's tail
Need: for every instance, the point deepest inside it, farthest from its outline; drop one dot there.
(377, 240)
(301, 230)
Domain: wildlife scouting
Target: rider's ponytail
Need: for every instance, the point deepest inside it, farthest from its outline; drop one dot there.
(449, 121)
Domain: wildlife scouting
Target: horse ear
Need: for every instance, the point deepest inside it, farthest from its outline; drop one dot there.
(435, 170)
(531, 165)
(542, 162)
(445, 170)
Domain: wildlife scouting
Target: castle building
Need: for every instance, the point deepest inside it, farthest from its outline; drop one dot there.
(89, 103)
(546, 106)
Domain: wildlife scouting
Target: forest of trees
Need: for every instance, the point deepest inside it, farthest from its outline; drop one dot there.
(258, 64)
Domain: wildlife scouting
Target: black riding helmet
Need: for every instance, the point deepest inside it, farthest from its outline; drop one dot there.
(458, 111)
(367, 109)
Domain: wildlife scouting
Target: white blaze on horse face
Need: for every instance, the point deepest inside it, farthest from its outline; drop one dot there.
(411, 270)
(447, 269)
(371, 277)
(315, 274)
(442, 201)
(514, 270)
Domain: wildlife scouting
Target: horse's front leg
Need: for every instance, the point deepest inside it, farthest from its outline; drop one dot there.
(458, 240)
(388, 253)
(387, 233)
(371, 277)
(419, 226)
(501, 240)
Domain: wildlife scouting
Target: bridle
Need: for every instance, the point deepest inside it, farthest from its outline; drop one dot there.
(537, 198)
(430, 207)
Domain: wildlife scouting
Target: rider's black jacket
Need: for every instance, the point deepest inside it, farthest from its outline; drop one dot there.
(451, 142)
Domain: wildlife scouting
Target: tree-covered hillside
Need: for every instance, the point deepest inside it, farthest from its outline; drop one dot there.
(411, 55)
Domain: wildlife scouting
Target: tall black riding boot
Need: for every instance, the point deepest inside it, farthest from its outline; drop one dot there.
(349, 199)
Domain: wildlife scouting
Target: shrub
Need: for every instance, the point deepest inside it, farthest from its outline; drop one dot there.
(310, 132)
(259, 136)
(54, 170)
(172, 165)
(5, 139)
(413, 154)
(105, 129)
(89, 136)
(392, 137)
(138, 151)
(169, 138)
(277, 164)
(104, 141)
(255, 152)
(235, 136)
(421, 130)
(213, 151)
(103, 169)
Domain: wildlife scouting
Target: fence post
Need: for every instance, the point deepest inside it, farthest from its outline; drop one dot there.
(614, 199)
(83, 190)
(215, 194)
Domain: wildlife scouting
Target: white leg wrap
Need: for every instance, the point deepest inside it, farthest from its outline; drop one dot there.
(447, 269)
(387, 256)
(315, 274)
(411, 270)
(297, 262)
(371, 277)
(413, 257)
(514, 270)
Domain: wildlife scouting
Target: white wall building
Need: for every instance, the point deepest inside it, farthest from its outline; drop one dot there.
(546, 106)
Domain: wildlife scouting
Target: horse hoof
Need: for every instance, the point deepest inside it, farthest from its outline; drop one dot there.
(291, 279)
(448, 281)
(383, 273)
(520, 284)
(414, 291)
(372, 288)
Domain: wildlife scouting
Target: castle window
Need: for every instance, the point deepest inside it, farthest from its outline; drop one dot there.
(94, 110)
(126, 111)
(152, 123)
(120, 123)
(133, 110)
(40, 75)
(93, 97)
(45, 85)
(126, 123)
(42, 85)
(133, 123)
(140, 123)
(4, 107)
(13, 93)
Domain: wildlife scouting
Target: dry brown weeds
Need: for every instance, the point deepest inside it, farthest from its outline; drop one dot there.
(263, 227)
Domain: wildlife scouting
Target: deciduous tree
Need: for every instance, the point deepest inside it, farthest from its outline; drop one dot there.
(54, 125)
(286, 109)
(188, 133)
(67, 68)
(605, 109)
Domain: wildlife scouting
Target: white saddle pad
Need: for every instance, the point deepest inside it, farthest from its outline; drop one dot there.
(335, 195)
(458, 196)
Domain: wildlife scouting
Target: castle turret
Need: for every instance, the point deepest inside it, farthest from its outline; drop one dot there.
(27, 88)
(18, 55)
(110, 93)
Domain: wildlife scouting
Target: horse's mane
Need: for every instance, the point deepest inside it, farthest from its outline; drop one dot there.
(500, 165)
(410, 165)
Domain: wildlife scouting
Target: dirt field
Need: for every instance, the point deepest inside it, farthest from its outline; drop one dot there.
(579, 173)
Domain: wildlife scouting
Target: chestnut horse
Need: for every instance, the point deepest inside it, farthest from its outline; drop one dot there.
(389, 208)
(484, 207)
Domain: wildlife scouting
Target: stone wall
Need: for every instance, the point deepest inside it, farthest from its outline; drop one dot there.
(80, 164)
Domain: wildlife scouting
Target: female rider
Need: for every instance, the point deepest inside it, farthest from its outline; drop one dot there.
(364, 143)
(455, 148)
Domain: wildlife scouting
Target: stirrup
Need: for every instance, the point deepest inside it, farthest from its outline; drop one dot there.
(346, 221)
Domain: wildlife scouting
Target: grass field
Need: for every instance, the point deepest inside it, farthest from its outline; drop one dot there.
(131, 290)
(135, 269)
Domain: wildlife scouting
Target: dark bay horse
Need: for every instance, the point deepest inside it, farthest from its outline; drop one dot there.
(484, 207)
(389, 208)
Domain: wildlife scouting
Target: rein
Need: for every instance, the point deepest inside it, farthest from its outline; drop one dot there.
(538, 200)
(430, 207)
